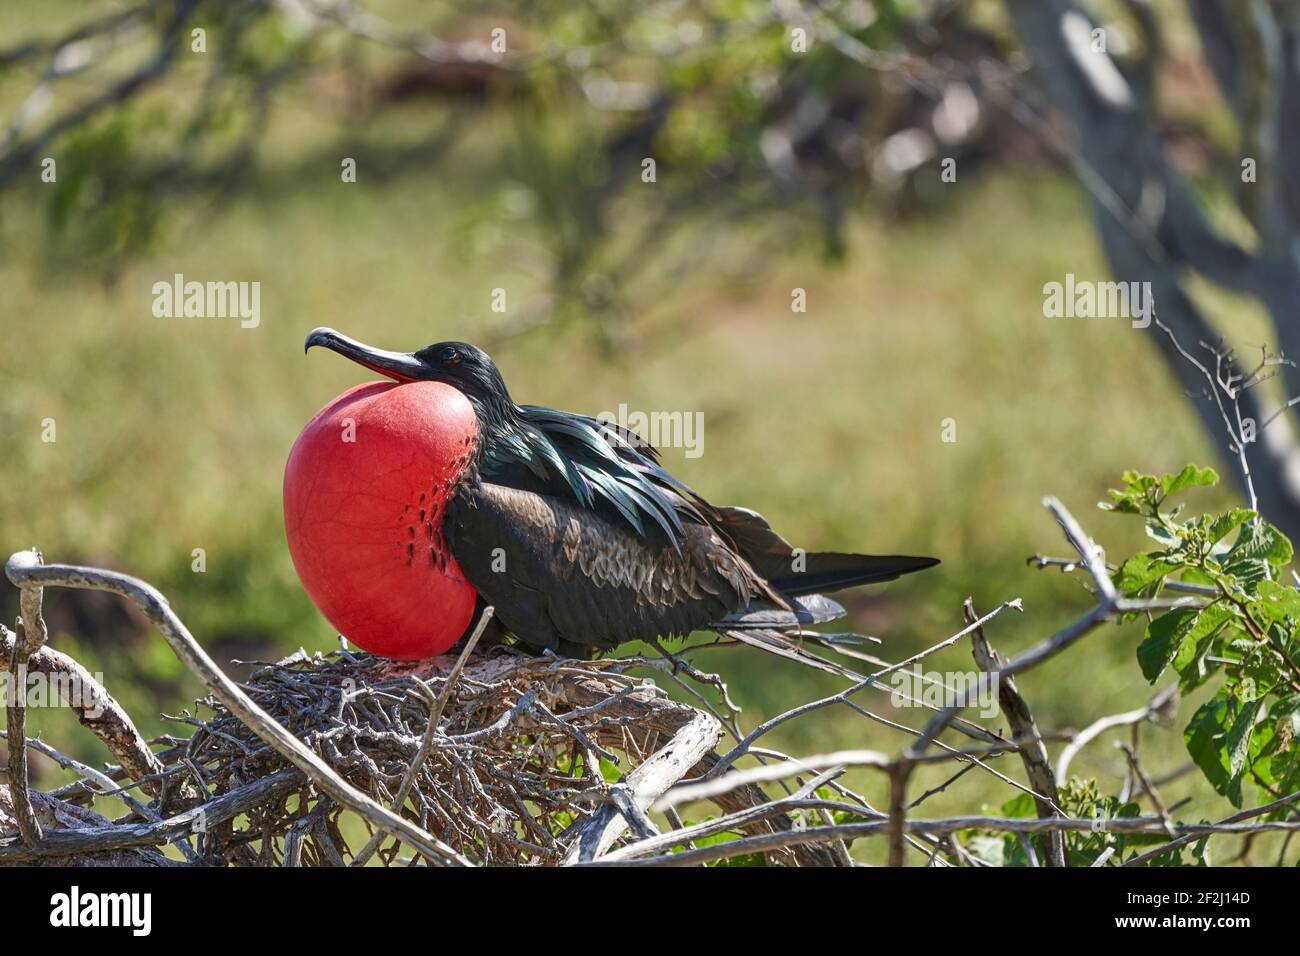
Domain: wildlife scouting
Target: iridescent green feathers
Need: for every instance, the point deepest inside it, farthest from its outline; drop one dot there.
(597, 462)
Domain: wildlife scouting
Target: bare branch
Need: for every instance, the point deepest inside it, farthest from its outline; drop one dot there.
(1033, 753)
(1159, 704)
(95, 708)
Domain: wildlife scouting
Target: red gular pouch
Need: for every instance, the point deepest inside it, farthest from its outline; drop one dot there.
(365, 491)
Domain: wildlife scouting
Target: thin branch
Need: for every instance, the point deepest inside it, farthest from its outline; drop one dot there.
(16, 721)
(1159, 704)
(1021, 720)
(743, 747)
(646, 783)
(1234, 820)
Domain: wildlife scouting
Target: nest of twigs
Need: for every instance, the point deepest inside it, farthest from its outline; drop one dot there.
(505, 777)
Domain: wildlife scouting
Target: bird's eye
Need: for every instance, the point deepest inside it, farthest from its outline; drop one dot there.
(449, 356)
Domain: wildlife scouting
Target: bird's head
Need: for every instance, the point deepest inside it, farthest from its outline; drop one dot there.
(459, 364)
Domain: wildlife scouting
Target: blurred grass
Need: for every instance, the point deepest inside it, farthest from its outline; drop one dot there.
(172, 433)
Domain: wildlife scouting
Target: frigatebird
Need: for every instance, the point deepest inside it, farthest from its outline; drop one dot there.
(601, 544)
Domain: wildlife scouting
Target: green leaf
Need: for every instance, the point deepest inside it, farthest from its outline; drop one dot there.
(1249, 572)
(1190, 658)
(1278, 601)
(1204, 737)
(1176, 636)
(1020, 806)
(1257, 542)
(1189, 662)
(1164, 637)
(1121, 504)
(1238, 738)
(1221, 741)
(1287, 715)
(1187, 478)
(1201, 851)
(743, 859)
(1141, 571)
(1163, 534)
(1136, 497)
(1277, 764)
(1219, 527)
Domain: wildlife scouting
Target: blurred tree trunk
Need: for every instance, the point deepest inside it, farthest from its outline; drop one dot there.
(1148, 221)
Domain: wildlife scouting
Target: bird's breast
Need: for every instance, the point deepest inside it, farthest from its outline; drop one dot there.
(366, 487)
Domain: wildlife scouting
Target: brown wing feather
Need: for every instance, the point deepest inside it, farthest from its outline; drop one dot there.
(566, 575)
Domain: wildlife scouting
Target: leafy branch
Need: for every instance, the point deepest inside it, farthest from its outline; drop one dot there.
(1245, 633)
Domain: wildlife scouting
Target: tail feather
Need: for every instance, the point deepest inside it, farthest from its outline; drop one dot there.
(805, 610)
(811, 572)
(832, 571)
(800, 579)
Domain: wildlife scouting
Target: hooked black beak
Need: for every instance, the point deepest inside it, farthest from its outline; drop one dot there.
(400, 366)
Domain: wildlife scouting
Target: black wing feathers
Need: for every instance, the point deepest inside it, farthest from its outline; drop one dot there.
(811, 572)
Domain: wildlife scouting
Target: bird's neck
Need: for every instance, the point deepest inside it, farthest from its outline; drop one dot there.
(500, 427)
